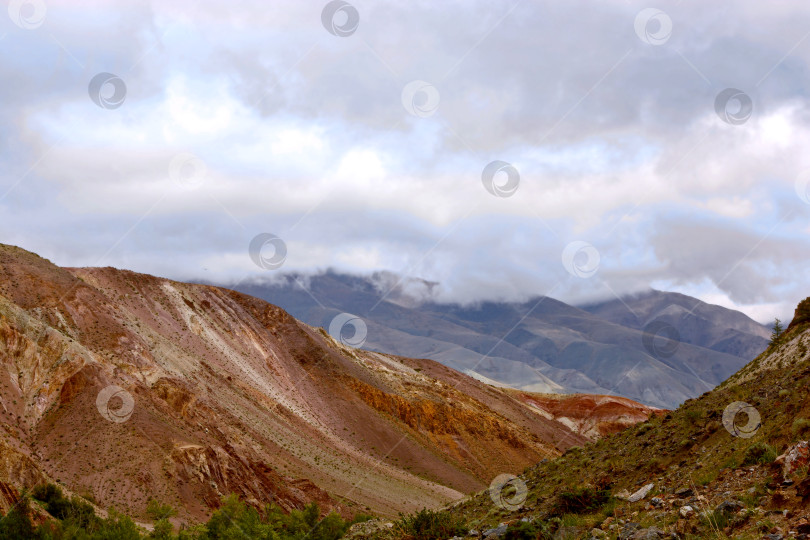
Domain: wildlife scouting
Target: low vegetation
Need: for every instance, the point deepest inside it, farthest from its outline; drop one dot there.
(75, 519)
(431, 525)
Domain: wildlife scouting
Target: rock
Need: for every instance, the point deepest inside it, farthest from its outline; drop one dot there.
(686, 511)
(623, 495)
(367, 528)
(598, 533)
(628, 530)
(472, 532)
(648, 534)
(641, 493)
(729, 507)
(684, 493)
(796, 457)
(567, 533)
(497, 532)
(657, 502)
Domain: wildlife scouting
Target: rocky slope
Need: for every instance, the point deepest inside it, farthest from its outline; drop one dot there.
(122, 387)
(657, 348)
(733, 463)
(593, 416)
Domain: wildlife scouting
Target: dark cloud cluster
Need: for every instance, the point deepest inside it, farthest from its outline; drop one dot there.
(255, 118)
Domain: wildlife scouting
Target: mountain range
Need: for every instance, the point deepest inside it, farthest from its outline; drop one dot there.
(732, 463)
(658, 348)
(123, 387)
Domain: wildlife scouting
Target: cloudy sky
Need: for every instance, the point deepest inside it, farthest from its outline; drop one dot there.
(504, 149)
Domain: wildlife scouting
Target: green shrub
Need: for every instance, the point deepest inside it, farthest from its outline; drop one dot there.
(693, 415)
(431, 525)
(801, 427)
(581, 500)
(715, 520)
(759, 453)
(74, 511)
(158, 511)
(529, 530)
(17, 523)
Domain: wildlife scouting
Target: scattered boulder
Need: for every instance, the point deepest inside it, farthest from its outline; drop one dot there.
(796, 457)
(686, 511)
(683, 493)
(652, 533)
(497, 532)
(657, 502)
(368, 528)
(628, 530)
(641, 493)
(729, 507)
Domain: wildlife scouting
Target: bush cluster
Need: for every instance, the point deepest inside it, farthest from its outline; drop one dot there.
(759, 453)
(75, 519)
(431, 525)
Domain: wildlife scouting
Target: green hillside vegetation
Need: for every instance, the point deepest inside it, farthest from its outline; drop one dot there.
(75, 519)
(688, 449)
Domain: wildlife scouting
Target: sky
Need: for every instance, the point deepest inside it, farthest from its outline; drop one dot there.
(504, 149)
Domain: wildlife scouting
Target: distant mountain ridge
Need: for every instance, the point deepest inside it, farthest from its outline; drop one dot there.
(658, 348)
(123, 387)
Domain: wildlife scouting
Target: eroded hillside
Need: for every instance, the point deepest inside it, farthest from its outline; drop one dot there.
(122, 387)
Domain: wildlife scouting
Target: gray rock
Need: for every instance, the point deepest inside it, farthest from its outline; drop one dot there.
(641, 493)
(657, 502)
(686, 511)
(628, 530)
(684, 493)
(497, 532)
(729, 507)
(648, 534)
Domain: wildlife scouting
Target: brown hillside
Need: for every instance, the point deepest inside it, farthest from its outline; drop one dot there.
(123, 386)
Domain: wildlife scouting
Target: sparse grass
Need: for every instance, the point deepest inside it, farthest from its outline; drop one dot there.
(431, 525)
(707, 477)
(759, 453)
(800, 428)
(694, 415)
(535, 530)
(581, 500)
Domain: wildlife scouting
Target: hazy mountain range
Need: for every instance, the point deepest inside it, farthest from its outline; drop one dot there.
(122, 387)
(658, 348)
